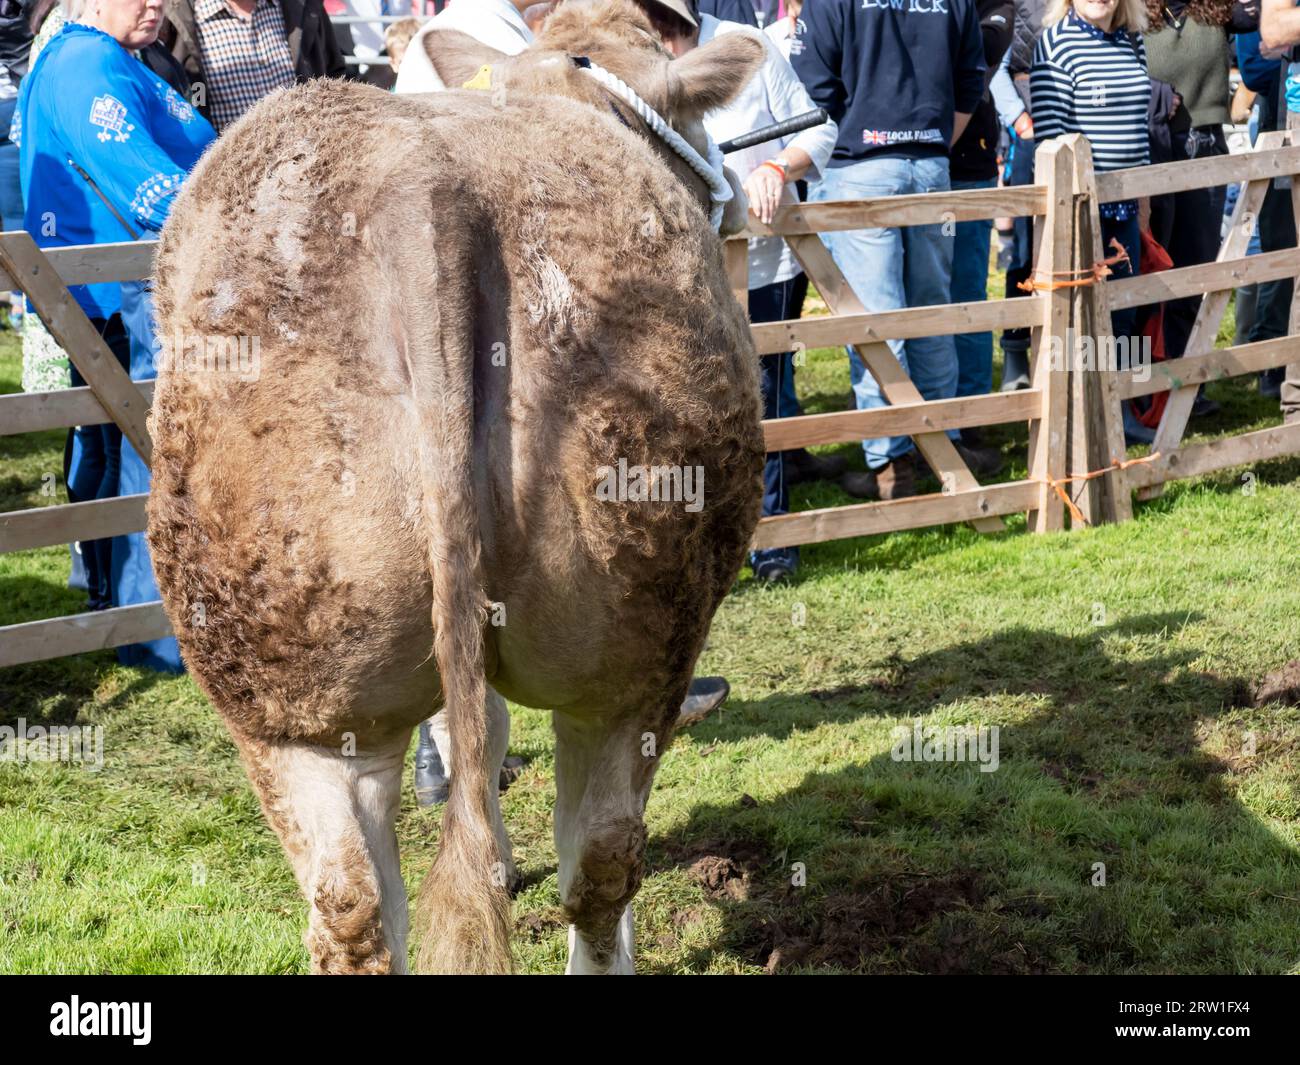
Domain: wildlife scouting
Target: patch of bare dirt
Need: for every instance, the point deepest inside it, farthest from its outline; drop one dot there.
(939, 925)
(720, 876)
(830, 695)
(724, 868)
(1280, 686)
(846, 928)
(933, 924)
(534, 927)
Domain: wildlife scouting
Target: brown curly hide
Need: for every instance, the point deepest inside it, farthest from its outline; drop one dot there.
(466, 304)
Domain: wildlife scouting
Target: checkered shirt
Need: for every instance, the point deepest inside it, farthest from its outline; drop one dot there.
(243, 58)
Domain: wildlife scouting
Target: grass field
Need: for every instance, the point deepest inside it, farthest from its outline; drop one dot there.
(1118, 664)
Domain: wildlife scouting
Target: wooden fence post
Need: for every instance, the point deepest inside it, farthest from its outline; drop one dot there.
(1096, 420)
(1053, 241)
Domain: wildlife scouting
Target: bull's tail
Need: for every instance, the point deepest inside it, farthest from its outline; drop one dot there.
(464, 907)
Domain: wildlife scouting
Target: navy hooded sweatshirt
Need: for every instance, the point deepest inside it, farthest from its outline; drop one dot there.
(890, 72)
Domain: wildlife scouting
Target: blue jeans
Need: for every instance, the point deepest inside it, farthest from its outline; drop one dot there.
(889, 269)
(92, 467)
(771, 303)
(970, 284)
(11, 194)
(796, 291)
(1019, 172)
(1123, 322)
(132, 579)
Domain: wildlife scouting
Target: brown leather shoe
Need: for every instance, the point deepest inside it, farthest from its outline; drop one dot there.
(898, 479)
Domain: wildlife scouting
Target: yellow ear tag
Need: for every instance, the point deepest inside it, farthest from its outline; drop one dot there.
(481, 80)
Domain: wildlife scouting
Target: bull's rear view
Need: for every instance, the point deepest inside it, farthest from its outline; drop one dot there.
(502, 442)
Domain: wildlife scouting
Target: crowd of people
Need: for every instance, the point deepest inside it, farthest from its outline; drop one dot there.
(106, 105)
(932, 95)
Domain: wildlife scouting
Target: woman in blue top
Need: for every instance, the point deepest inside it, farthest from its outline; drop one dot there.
(104, 145)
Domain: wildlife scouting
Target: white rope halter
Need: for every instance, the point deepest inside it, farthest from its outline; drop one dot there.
(710, 170)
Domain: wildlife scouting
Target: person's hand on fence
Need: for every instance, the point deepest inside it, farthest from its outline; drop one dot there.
(763, 187)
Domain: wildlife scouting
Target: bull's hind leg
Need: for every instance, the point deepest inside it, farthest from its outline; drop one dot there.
(603, 770)
(334, 813)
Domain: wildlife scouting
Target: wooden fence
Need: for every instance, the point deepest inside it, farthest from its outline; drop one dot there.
(1072, 413)
(1276, 155)
(1043, 405)
(111, 396)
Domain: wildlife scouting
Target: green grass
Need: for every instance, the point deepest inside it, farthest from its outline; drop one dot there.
(1116, 663)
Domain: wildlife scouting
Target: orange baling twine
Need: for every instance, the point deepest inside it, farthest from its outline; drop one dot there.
(1079, 278)
(1058, 484)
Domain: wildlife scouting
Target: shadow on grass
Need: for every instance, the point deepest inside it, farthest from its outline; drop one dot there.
(27, 597)
(24, 445)
(939, 868)
(54, 692)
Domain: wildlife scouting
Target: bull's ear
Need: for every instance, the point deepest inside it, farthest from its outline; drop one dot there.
(457, 57)
(711, 76)
(535, 15)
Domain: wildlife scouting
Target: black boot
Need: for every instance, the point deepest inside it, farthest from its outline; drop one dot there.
(1015, 370)
(802, 466)
(431, 786)
(1204, 407)
(1270, 385)
(704, 696)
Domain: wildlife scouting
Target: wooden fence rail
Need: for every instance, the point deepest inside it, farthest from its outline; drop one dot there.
(1072, 411)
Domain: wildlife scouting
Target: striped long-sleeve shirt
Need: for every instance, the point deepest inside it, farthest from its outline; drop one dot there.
(1094, 83)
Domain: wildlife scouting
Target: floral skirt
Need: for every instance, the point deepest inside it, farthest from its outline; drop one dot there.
(45, 364)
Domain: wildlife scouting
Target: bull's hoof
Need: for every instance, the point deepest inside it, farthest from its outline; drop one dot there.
(706, 694)
(431, 784)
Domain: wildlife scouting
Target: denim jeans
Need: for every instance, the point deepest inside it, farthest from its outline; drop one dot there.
(970, 284)
(1123, 322)
(889, 269)
(92, 467)
(771, 303)
(1020, 172)
(11, 193)
(796, 292)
